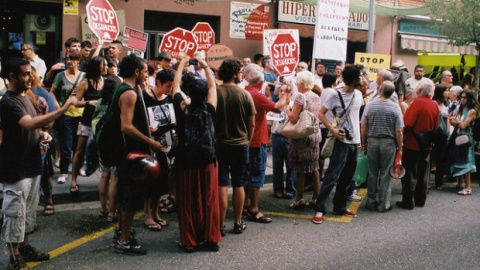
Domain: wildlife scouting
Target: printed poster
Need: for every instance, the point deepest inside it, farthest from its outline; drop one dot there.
(87, 33)
(160, 116)
(374, 62)
(240, 16)
(70, 7)
(331, 29)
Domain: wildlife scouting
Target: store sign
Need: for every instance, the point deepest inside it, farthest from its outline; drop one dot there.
(331, 29)
(87, 33)
(417, 27)
(179, 40)
(241, 20)
(134, 39)
(216, 54)
(303, 13)
(102, 19)
(374, 62)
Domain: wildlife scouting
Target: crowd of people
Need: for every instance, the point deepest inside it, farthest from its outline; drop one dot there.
(209, 129)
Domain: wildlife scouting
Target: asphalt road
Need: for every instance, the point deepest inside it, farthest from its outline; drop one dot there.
(442, 235)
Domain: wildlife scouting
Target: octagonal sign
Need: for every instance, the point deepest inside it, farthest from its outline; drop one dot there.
(205, 35)
(285, 53)
(179, 40)
(102, 19)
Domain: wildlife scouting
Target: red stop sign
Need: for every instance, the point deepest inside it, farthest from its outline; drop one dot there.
(285, 53)
(205, 35)
(102, 19)
(179, 40)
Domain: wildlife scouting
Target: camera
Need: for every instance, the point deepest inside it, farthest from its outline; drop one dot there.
(192, 62)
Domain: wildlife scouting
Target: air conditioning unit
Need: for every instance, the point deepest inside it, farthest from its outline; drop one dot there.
(41, 22)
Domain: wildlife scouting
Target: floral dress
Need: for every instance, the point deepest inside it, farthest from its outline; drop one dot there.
(304, 153)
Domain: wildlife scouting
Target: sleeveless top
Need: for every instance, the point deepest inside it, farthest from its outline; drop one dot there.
(90, 94)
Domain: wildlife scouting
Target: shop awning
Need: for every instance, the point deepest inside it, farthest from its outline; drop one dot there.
(433, 44)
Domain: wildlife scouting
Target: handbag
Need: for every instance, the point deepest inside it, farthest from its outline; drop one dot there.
(304, 127)
(327, 148)
(462, 140)
(361, 172)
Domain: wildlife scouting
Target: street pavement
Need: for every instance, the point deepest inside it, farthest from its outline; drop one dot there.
(442, 235)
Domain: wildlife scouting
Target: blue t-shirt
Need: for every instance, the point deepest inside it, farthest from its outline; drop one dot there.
(41, 92)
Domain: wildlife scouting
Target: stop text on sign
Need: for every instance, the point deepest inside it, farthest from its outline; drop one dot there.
(102, 15)
(284, 50)
(179, 44)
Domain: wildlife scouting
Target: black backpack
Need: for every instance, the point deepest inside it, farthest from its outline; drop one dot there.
(108, 135)
(198, 146)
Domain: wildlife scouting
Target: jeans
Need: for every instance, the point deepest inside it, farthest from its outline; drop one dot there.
(66, 127)
(257, 166)
(343, 163)
(280, 155)
(415, 181)
(381, 155)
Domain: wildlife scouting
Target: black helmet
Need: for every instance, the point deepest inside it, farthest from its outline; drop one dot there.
(142, 168)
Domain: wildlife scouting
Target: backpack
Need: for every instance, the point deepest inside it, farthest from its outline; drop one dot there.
(476, 129)
(199, 138)
(108, 135)
(399, 79)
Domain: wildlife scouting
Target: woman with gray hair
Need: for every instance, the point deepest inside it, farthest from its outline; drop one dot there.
(454, 100)
(304, 153)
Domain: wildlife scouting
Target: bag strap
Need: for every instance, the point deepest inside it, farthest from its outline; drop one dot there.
(74, 84)
(345, 113)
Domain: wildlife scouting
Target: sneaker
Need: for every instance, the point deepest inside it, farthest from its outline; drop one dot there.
(354, 197)
(30, 254)
(130, 247)
(117, 233)
(61, 180)
(348, 213)
(318, 218)
(18, 263)
(82, 173)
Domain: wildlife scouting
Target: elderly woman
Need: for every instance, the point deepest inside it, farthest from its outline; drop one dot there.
(304, 153)
(454, 95)
(462, 158)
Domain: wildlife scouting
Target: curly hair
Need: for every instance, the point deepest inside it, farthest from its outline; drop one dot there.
(229, 68)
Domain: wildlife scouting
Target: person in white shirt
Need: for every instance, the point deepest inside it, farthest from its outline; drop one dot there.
(417, 78)
(28, 51)
(321, 69)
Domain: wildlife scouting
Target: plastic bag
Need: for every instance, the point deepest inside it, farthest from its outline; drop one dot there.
(361, 172)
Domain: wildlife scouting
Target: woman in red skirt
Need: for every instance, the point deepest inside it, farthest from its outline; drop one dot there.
(195, 162)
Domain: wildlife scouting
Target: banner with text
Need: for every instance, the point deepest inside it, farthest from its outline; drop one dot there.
(295, 12)
(247, 20)
(331, 29)
(134, 39)
(374, 62)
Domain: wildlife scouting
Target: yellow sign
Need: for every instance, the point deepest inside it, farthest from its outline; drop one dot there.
(41, 38)
(70, 7)
(374, 62)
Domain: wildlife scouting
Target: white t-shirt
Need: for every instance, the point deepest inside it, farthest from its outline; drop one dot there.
(326, 93)
(413, 83)
(318, 81)
(352, 124)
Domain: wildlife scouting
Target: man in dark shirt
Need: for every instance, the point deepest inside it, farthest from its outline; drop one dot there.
(20, 162)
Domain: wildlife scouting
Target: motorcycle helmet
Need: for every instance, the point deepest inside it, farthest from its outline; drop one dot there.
(142, 168)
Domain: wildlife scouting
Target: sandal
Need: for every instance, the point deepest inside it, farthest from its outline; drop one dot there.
(466, 191)
(298, 205)
(239, 228)
(48, 210)
(154, 227)
(103, 213)
(112, 218)
(169, 206)
(161, 222)
(75, 190)
(254, 216)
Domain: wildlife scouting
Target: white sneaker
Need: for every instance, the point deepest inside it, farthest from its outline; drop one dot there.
(61, 180)
(317, 218)
(354, 197)
(82, 173)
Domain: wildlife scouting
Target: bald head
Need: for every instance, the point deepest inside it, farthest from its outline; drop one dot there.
(387, 89)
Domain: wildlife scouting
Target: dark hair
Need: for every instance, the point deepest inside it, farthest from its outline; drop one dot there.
(86, 43)
(74, 56)
(129, 64)
(328, 79)
(197, 90)
(351, 73)
(229, 68)
(14, 65)
(467, 80)
(109, 86)
(438, 94)
(165, 75)
(265, 60)
(151, 70)
(70, 41)
(472, 103)
(258, 57)
(418, 66)
(111, 63)
(320, 63)
(93, 70)
(120, 45)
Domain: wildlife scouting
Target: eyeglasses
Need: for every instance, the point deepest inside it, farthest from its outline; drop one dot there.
(463, 97)
(27, 49)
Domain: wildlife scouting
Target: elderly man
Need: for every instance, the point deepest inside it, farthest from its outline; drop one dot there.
(382, 137)
(321, 69)
(258, 143)
(28, 51)
(383, 75)
(447, 78)
(422, 116)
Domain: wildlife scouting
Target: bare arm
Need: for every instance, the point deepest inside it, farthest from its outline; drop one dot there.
(399, 140)
(30, 122)
(82, 86)
(127, 106)
(178, 79)
(464, 124)
(281, 103)
(323, 118)
(97, 50)
(212, 87)
(294, 113)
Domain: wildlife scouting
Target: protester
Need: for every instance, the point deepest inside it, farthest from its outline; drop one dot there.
(20, 163)
(382, 139)
(114, 51)
(328, 82)
(343, 161)
(410, 97)
(112, 68)
(64, 86)
(462, 157)
(28, 51)
(72, 45)
(467, 83)
(439, 151)
(234, 129)
(413, 82)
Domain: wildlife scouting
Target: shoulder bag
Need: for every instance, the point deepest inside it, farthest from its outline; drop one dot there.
(304, 127)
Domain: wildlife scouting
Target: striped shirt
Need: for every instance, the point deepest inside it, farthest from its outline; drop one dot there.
(382, 118)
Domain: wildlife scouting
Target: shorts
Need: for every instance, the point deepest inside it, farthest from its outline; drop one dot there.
(111, 169)
(19, 208)
(257, 166)
(232, 159)
(83, 130)
(130, 193)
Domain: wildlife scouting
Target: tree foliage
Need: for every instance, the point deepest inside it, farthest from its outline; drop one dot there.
(458, 20)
